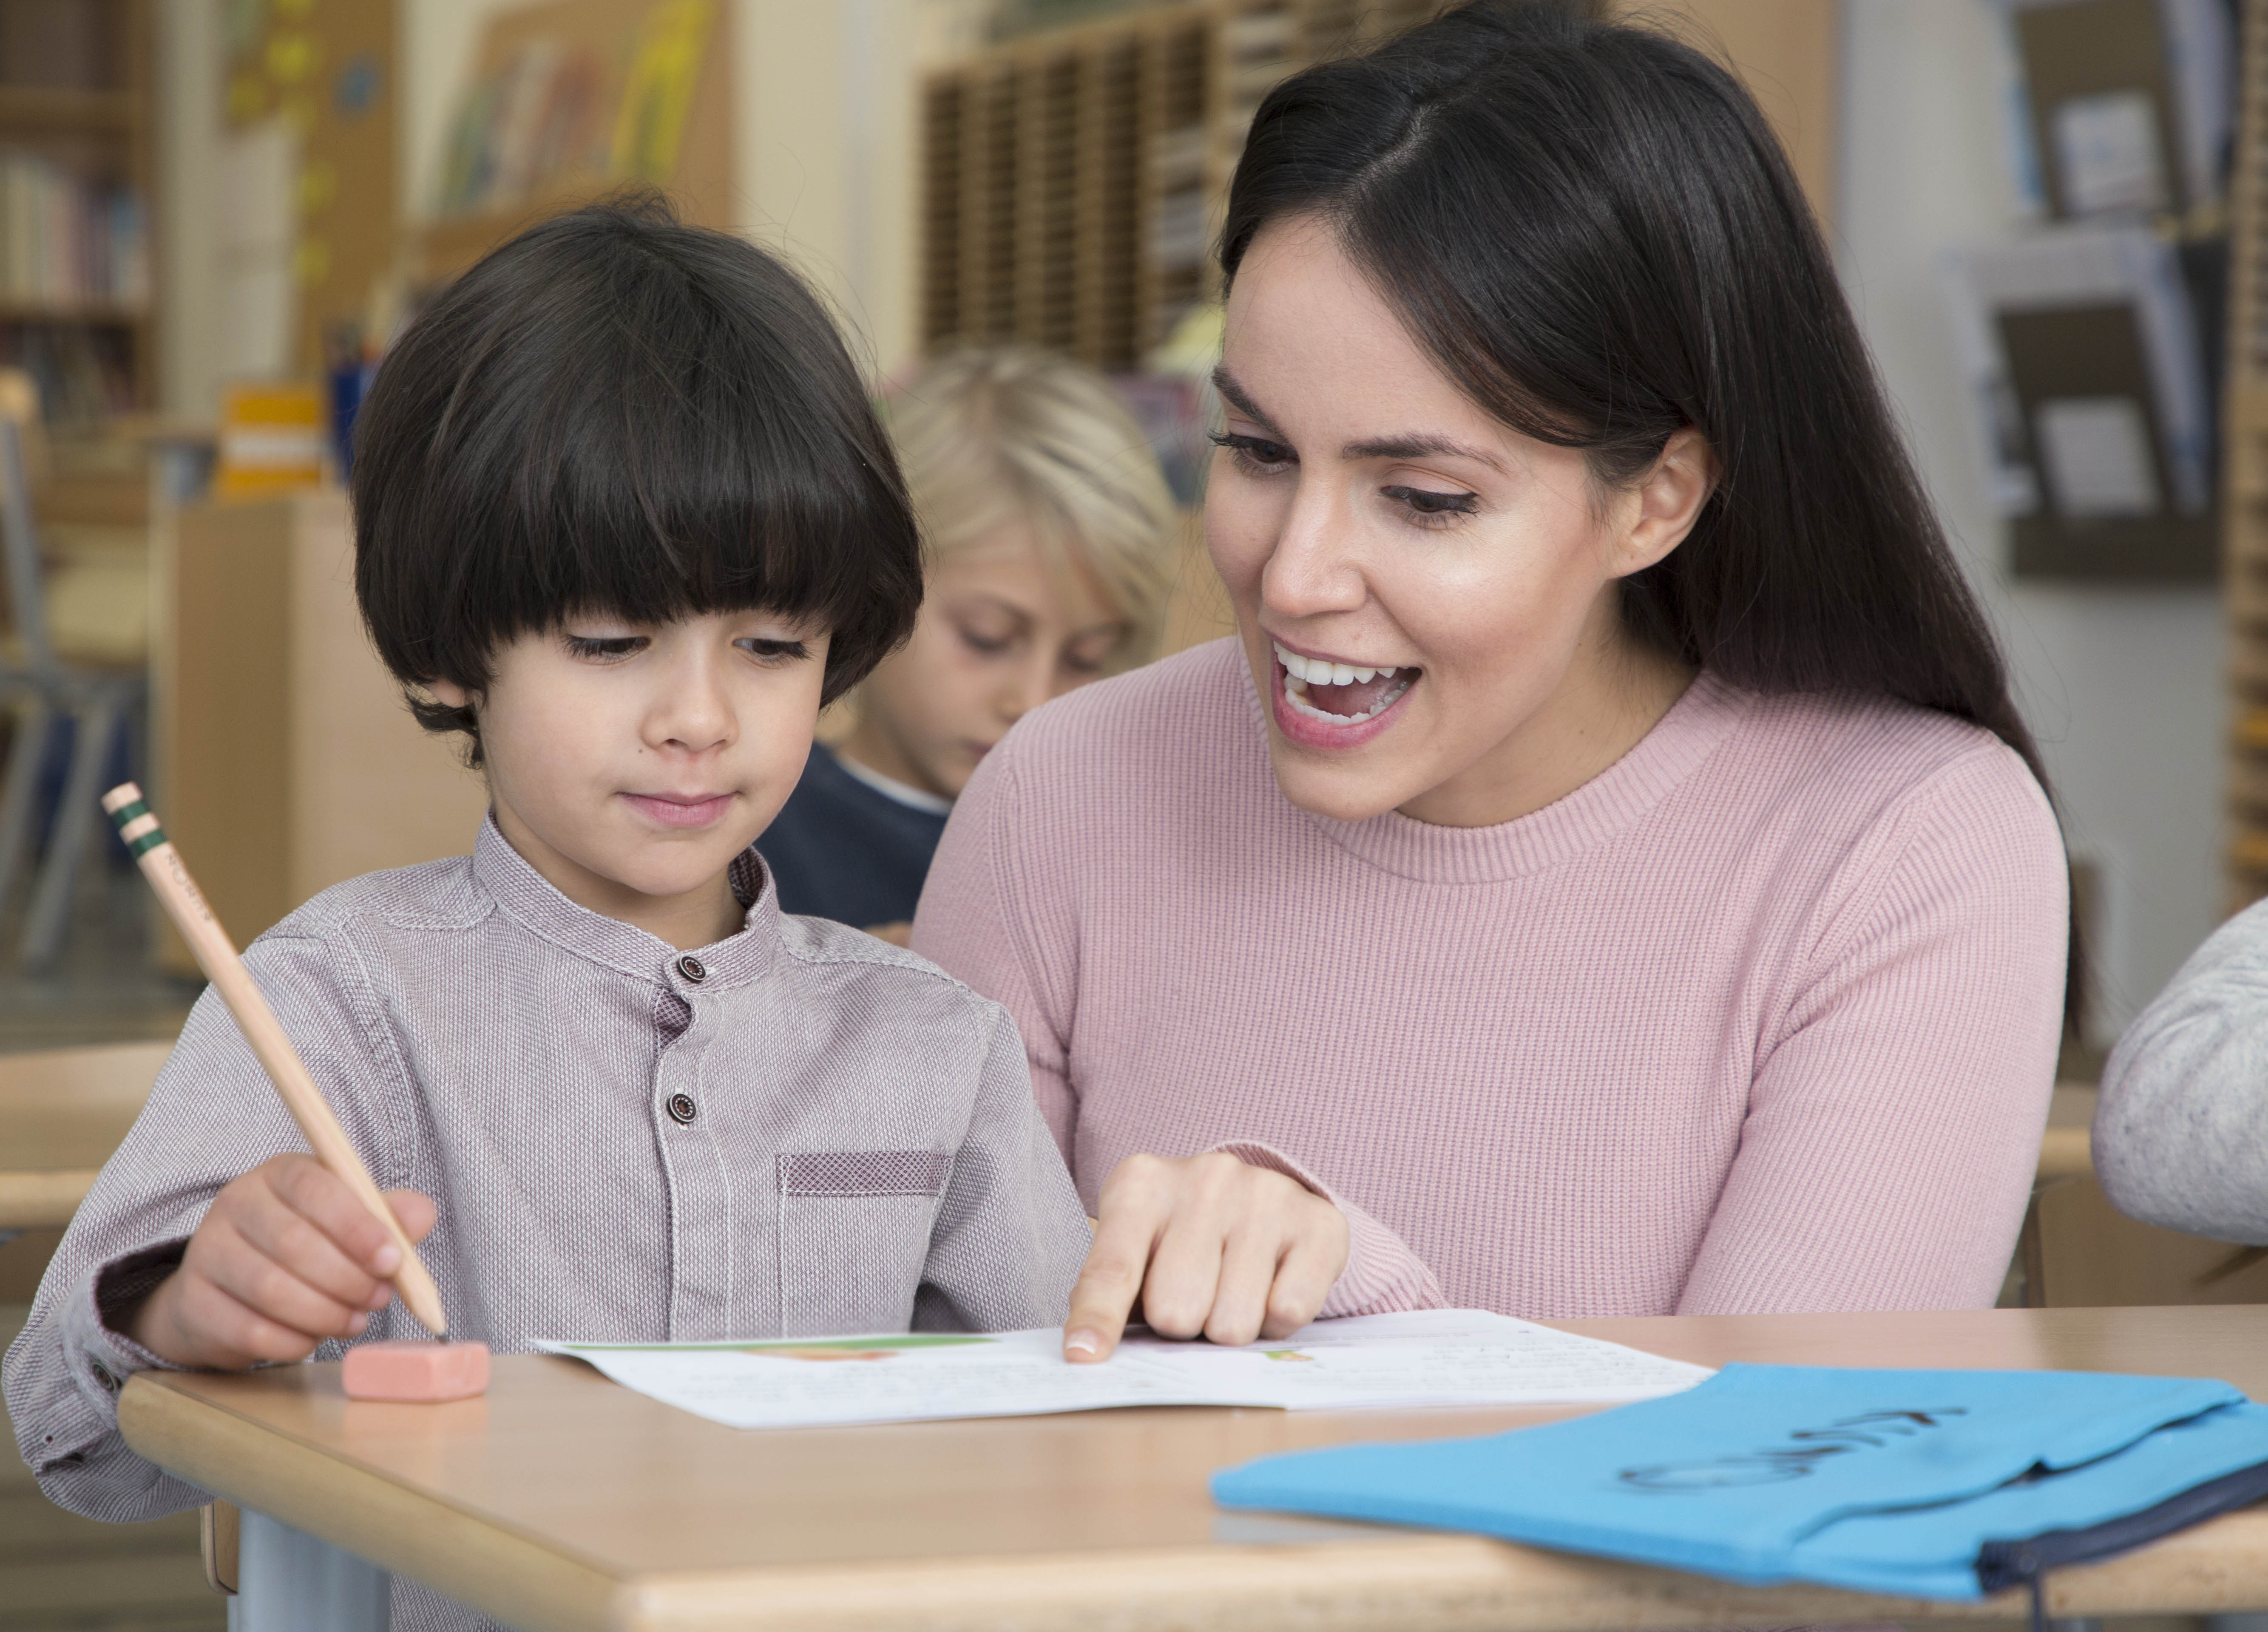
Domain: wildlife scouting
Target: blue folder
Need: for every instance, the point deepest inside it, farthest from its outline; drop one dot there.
(1928, 1484)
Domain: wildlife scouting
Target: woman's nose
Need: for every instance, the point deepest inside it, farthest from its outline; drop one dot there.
(1310, 570)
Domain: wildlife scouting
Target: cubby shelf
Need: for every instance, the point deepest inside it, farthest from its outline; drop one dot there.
(1073, 181)
(2245, 475)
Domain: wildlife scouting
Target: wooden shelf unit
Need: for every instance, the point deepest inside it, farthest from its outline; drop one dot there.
(1073, 181)
(2244, 451)
(104, 133)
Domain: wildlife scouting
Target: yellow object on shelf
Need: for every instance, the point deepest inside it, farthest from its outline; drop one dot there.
(271, 440)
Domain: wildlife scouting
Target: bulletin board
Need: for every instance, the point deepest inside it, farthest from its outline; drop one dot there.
(571, 99)
(326, 70)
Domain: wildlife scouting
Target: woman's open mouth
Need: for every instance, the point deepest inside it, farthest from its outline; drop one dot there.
(1323, 703)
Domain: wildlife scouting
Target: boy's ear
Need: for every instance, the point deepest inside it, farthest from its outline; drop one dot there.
(449, 695)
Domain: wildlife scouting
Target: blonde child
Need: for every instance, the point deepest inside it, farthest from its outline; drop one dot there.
(1050, 531)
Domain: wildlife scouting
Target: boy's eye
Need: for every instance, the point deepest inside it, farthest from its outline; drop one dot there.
(597, 647)
(774, 650)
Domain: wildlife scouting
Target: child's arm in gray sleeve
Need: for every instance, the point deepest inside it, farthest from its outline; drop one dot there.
(1010, 1234)
(210, 1117)
(2181, 1136)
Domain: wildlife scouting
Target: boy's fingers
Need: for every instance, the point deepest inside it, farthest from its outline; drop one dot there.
(415, 1210)
(269, 1290)
(266, 1225)
(314, 1191)
(238, 1333)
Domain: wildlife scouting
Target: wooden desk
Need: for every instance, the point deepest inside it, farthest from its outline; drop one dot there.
(562, 1500)
(63, 1112)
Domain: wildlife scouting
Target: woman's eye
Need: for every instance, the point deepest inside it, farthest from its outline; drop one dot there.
(1254, 454)
(1427, 504)
(601, 647)
(990, 645)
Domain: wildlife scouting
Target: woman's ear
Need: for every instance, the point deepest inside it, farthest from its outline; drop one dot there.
(1670, 500)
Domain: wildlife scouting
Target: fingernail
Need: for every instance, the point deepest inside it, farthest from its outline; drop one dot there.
(357, 1326)
(387, 1259)
(1082, 1344)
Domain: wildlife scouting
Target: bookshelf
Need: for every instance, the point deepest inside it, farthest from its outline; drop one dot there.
(2245, 475)
(76, 235)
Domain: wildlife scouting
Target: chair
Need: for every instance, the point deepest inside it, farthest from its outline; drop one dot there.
(44, 692)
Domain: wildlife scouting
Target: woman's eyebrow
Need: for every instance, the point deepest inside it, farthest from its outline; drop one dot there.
(1420, 445)
(1241, 400)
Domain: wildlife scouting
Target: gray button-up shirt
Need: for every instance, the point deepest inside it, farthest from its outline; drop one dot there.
(799, 1131)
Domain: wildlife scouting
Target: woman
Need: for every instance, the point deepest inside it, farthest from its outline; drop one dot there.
(1050, 535)
(1606, 874)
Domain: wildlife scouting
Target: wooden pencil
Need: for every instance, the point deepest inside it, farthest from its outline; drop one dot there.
(216, 954)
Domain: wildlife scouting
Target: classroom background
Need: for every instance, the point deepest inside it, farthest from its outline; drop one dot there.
(214, 214)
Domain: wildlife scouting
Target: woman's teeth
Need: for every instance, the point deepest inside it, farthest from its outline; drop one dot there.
(1301, 673)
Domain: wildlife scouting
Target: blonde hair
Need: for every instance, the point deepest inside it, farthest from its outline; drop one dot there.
(994, 435)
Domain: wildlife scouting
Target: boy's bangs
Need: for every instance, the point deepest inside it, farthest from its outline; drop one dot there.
(659, 499)
(617, 415)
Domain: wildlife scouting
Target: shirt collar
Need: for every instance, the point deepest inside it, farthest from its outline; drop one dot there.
(535, 904)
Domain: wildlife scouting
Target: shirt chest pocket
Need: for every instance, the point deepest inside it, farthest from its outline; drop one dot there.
(854, 1230)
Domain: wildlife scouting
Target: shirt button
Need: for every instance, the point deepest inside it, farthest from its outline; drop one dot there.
(692, 969)
(682, 1108)
(102, 1375)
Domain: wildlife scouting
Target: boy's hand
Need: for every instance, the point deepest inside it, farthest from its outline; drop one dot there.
(286, 1258)
(1209, 1244)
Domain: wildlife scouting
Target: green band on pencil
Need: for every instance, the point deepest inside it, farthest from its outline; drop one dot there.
(125, 813)
(147, 842)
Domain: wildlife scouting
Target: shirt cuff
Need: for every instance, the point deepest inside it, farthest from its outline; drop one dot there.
(1382, 1275)
(99, 1357)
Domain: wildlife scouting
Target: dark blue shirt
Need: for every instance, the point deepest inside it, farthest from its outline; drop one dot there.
(841, 849)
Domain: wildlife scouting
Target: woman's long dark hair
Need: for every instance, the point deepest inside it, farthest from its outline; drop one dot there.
(1591, 228)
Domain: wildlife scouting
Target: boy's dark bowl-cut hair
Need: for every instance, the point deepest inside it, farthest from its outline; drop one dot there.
(618, 413)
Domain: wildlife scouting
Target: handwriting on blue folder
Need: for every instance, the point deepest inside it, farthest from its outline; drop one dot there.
(1878, 1481)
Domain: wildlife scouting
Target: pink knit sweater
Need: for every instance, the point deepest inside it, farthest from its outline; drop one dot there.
(1763, 1017)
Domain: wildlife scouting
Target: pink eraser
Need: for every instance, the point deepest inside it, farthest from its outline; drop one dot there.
(427, 1373)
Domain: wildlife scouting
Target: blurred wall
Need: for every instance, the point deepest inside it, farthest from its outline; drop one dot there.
(2123, 685)
(826, 159)
(188, 63)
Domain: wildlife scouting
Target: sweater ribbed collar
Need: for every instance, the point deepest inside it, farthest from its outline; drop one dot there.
(1609, 804)
(532, 901)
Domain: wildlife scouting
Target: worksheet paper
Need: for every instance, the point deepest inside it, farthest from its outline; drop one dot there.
(1432, 1358)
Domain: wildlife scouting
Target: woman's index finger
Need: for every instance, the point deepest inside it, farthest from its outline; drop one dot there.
(1111, 1279)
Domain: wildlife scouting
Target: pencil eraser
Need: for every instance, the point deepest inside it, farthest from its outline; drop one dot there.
(424, 1373)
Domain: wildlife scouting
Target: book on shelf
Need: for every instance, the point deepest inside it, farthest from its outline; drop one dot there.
(67, 242)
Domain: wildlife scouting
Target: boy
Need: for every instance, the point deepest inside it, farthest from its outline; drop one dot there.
(625, 519)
